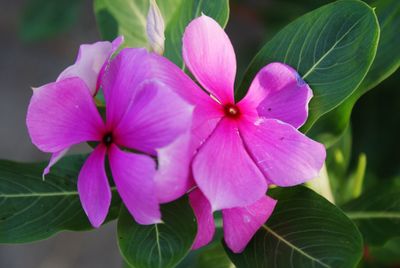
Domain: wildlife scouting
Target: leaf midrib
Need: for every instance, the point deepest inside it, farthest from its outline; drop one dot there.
(331, 49)
(294, 247)
(43, 194)
(365, 215)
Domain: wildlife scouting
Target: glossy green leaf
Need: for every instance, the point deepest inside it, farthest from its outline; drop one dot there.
(46, 18)
(32, 209)
(329, 127)
(128, 18)
(305, 230)
(331, 47)
(377, 213)
(161, 245)
(213, 256)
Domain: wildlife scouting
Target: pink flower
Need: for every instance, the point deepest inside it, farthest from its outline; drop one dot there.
(142, 114)
(89, 66)
(239, 148)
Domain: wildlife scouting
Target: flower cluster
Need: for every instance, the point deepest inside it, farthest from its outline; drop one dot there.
(166, 136)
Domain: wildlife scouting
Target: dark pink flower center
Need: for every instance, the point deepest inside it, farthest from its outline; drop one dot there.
(108, 138)
(231, 110)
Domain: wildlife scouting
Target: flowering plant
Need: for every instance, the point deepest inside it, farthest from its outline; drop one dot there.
(200, 164)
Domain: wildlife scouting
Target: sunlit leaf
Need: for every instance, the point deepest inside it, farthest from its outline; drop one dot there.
(128, 18)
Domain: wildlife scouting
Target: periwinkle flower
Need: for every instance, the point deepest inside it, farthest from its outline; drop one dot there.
(142, 115)
(90, 64)
(239, 148)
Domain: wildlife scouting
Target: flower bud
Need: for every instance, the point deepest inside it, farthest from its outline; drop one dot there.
(155, 28)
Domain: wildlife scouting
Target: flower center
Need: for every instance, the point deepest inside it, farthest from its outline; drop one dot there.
(108, 138)
(231, 110)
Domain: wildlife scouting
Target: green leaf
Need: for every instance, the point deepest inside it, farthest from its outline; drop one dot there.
(213, 256)
(161, 245)
(387, 60)
(387, 255)
(331, 47)
(377, 213)
(305, 230)
(46, 18)
(128, 18)
(32, 209)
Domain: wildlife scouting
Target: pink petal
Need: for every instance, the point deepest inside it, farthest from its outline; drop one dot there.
(155, 117)
(173, 173)
(278, 92)
(285, 156)
(94, 190)
(90, 61)
(53, 160)
(124, 74)
(206, 116)
(168, 73)
(204, 216)
(173, 180)
(62, 114)
(134, 177)
(209, 55)
(115, 44)
(240, 224)
(224, 171)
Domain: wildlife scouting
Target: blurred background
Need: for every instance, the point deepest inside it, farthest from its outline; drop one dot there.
(39, 38)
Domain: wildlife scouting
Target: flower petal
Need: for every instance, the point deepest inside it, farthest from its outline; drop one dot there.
(224, 171)
(209, 55)
(173, 173)
(134, 177)
(94, 190)
(240, 224)
(62, 114)
(90, 62)
(286, 156)
(55, 157)
(278, 92)
(125, 72)
(155, 117)
(204, 216)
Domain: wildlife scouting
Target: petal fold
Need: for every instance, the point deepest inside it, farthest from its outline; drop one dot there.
(172, 178)
(204, 216)
(224, 171)
(278, 92)
(209, 55)
(240, 224)
(62, 114)
(55, 157)
(286, 156)
(94, 190)
(91, 60)
(134, 177)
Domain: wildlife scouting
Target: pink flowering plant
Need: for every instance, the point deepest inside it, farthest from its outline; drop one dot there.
(202, 164)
